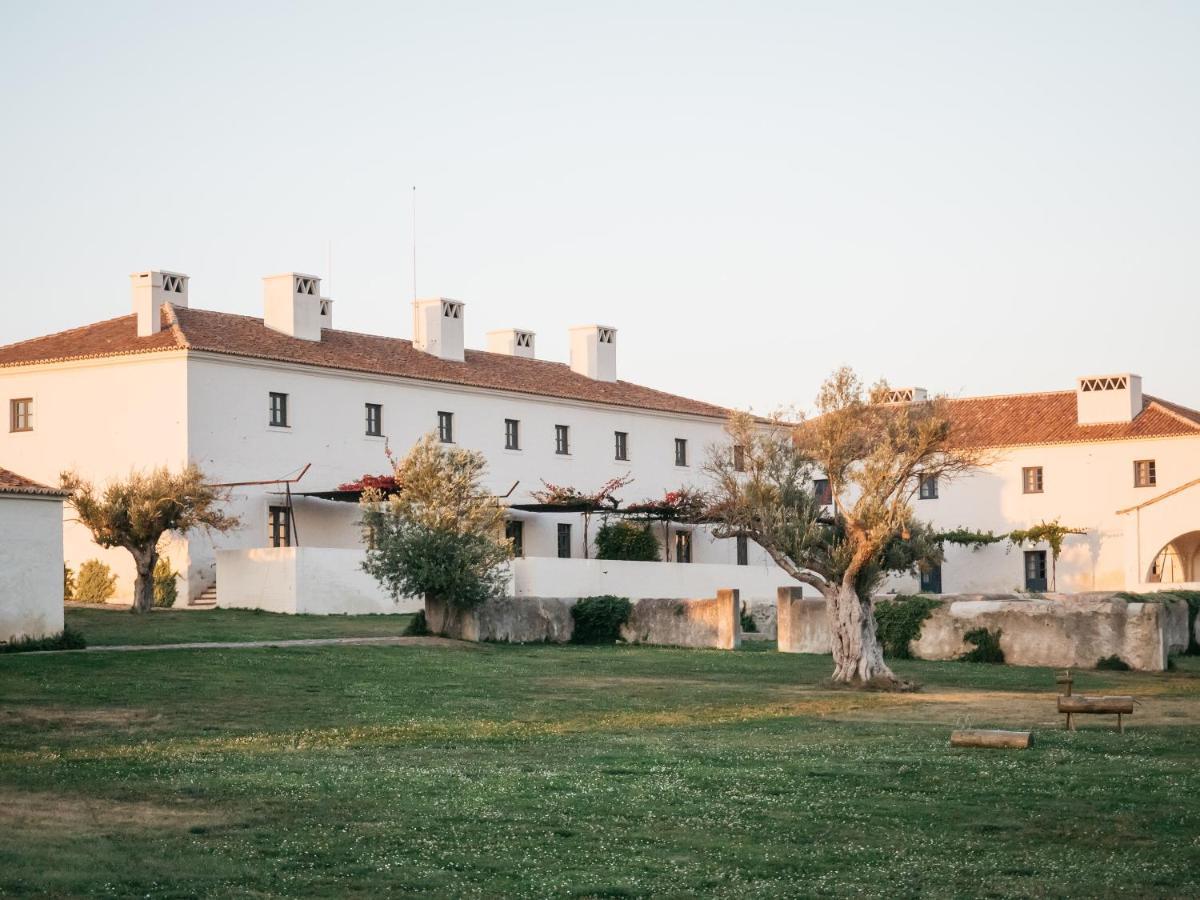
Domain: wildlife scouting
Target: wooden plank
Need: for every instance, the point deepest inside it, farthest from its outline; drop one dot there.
(1006, 740)
(1095, 705)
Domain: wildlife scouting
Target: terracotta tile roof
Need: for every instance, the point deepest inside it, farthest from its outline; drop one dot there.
(12, 483)
(1050, 418)
(234, 335)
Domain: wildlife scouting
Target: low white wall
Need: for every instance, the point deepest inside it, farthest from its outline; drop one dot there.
(312, 580)
(547, 577)
(31, 566)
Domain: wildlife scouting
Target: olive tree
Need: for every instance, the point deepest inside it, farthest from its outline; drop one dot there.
(440, 534)
(137, 511)
(873, 454)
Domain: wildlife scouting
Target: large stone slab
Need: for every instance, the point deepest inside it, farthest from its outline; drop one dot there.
(706, 622)
(709, 622)
(513, 620)
(1071, 631)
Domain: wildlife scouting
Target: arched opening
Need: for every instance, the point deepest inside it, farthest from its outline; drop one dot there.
(1177, 561)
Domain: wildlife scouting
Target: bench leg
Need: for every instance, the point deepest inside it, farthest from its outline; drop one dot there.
(1120, 725)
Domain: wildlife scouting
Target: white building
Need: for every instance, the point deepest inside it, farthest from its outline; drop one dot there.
(31, 558)
(1104, 458)
(254, 400)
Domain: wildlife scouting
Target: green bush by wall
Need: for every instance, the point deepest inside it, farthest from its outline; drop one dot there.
(624, 540)
(598, 620)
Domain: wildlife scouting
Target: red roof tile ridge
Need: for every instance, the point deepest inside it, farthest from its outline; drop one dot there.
(12, 483)
(1176, 410)
(1012, 396)
(79, 328)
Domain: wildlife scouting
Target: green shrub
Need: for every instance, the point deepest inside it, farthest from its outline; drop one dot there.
(411, 560)
(624, 540)
(166, 591)
(96, 582)
(987, 646)
(64, 640)
(68, 583)
(749, 626)
(418, 627)
(898, 622)
(1112, 663)
(598, 620)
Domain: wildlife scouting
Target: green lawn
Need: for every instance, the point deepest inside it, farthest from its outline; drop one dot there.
(108, 627)
(564, 771)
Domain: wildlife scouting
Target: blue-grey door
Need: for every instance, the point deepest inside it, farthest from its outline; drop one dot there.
(1035, 570)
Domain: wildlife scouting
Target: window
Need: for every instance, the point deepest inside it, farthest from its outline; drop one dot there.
(279, 411)
(931, 581)
(823, 491)
(1031, 478)
(562, 440)
(680, 452)
(739, 458)
(446, 427)
(512, 434)
(279, 526)
(515, 532)
(1035, 570)
(622, 445)
(683, 546)
(20, 414)
(564, 540)
(375, 419)
(1144, 473)
(929, 487)
(743, 550)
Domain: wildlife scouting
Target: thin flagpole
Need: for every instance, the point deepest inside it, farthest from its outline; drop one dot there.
(414, 241)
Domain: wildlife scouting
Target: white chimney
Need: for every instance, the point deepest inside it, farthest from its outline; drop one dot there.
(326, 312)
(1107, 399)
(292, 305)
(511, 342)
(906, 395)
(438, 328)
(594, 351)
(150, 291)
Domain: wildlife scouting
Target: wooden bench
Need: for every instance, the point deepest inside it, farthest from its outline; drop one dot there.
(1090, 706)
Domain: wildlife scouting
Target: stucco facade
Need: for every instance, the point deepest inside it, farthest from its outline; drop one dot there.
(171, 384)
(31, 559)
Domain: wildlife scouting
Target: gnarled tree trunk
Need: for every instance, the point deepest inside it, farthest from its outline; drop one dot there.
(143, 586)
(857, 653)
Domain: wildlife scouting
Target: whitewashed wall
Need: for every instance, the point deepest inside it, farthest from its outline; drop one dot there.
(312, 580)
(573, 578)
(229, 436)
(31, 566)
(102, 418)
(325, 581)
(1085, 485)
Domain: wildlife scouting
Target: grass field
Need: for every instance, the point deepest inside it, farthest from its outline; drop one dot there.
(463, 771)
(107, 626)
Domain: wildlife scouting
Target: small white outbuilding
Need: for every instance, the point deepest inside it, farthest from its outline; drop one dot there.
(31, 558)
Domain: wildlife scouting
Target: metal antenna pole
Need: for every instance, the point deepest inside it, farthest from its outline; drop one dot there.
(414, 241)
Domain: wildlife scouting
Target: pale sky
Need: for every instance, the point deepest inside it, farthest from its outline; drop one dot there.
(972, 198)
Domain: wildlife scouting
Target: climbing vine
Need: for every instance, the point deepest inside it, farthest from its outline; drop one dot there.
(964, 537)
(898, 622)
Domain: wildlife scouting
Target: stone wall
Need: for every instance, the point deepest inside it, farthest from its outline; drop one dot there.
(707, 622)
(524, 620)
(714, 622)
(801, 623)
(1072, 632)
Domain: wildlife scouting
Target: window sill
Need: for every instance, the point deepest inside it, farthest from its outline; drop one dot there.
(280, 429)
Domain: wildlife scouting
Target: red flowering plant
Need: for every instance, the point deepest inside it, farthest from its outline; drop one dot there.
(384, 484)
(684, 504)
(562, 495)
